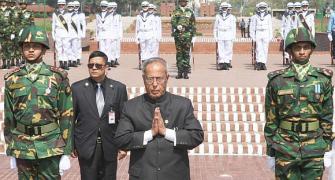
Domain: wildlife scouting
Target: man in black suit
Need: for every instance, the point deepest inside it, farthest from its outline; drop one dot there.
(158, 128)
(97, 104)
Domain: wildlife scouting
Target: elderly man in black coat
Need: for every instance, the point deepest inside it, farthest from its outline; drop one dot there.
(158, 128)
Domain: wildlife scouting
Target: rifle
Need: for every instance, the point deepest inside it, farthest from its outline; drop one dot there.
(139, 56)
(331, 53)
(283, 48)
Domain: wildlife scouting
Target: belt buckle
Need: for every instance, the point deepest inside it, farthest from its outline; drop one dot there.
(298, 127)
(29, 130)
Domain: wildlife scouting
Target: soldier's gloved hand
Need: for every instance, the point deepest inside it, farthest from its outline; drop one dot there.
(327, 159)
(270, 162)
(12, 162)
(12, 36)
(330, 37)
(64, 164)
(193, 39)
(180, 27)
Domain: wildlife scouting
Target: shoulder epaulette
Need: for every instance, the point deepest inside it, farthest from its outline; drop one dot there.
(11, 72)
(324, 71)
(59, 71)
(273, 74)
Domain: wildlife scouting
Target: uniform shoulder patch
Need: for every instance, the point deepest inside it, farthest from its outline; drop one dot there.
(273, 74)
(59, 71)
(324, 71)
(11, 72)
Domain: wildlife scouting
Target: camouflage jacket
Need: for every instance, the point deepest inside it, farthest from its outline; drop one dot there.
(5, 22)
(26, 18)
(186, 19)
(309, 100)
(15, 21)
(46, 100)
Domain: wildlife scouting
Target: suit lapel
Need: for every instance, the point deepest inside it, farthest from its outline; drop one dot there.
(109, 96)
(89, 92)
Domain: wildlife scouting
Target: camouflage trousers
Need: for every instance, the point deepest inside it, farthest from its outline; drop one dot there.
(299, 169)
(183, 46)
(39, 169)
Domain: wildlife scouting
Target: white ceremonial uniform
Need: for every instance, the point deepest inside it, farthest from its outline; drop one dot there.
(289, 21)
(81, 33)
(104, 33)
(74, 36)
(60, 34)
(261, 32)
(116, 35)
(158, 34)
(145, 34)
(309, 19)
(224, 34)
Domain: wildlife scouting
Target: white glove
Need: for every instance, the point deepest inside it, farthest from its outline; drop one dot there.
(13, 162)
(327, 159)
(270, 162)
(64, 164)
(330, 37)
(180, 27)
(193, 39)
(12, 36)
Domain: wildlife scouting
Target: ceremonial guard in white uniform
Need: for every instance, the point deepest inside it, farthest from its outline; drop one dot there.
(60, 31)
(307, 17)
(104, 31)
(145, 32)
(224, 34)
(157, 28)
(81, 30)
(73, 36)
(261, 33)
(116, 33)
(288, 22)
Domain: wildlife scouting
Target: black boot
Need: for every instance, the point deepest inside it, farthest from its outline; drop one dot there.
(66, 66)
(185, 75)
(112, 64)
(225, 66)
(229, 65)
(263, 66)
(4, 66)
(12, 63)
(180, 74)
(78, 62)
(117, 62)
(17, 63)
(61, 64)
(74, 64)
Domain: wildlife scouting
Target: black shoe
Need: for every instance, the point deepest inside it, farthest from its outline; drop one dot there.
(185, 75)
(12, 63)
(229, 65)
(220, 66)
(258, 66)
(74, 64)
(61, 64)
(66, 67)
(78, 62)
(180, 75)
(116, 62)
(4, 65)
(263, 66)
(112, 64)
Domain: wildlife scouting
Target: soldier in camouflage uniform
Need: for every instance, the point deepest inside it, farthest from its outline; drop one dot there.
(299, 112)
(38, 112)
(14, 37)
(183, 30)
(5, 34)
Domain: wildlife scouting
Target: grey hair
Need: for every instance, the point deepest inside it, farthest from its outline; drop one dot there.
(154, 60)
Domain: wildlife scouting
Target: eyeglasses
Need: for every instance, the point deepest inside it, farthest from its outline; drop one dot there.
(98, 66)
(151, 80)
